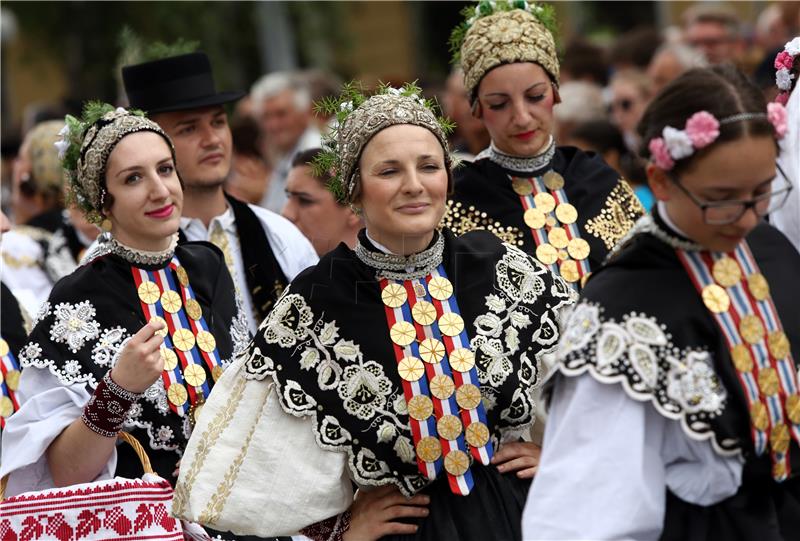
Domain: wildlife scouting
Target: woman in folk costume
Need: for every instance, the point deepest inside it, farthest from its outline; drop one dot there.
(676, 414)
(566, 207)
(404, 366)
(134, 339)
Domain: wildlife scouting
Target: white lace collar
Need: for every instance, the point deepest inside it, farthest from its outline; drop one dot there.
(520, 164)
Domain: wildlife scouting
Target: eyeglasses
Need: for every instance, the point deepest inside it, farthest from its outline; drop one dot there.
(728, 212)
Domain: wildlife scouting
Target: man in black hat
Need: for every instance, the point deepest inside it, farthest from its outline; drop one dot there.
(178, 93)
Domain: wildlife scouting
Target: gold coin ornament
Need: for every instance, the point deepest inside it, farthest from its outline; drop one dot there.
(193, 309)
(149, 292)
(431, 350)
(171, 302)
(451, 324)
(768, 381)
(456, 462)
(550, 221)
(6, 407)
(217, 372)
(758, 286)
(759, 416)
(440, 288)
(715, 298)
(778, 344)
(779, 438)
(424, 313)
(778, 470)
(558, 237)
(793, 408)
(183, 278)
(563, 255)
(3, 348)
(429, 449)
(566, 213)
(12, 379)
(420, 407)
(726, 272)
(403, 333)
(195, 413)
(194, 375)
(394, 295)
(183, 339)
(468, 396)
(578, 249)
(164, 329)
(410, 369)
(569, 271)
(169, 357)
(177, 394)
(534, 218)
(751, 329)
(206, 341)
(477, 434)
(442, 387)
(449, 427)
(546, 253)
(742, 358)
(544, 202)
(462, 360)
(522, 186)
(553, 180)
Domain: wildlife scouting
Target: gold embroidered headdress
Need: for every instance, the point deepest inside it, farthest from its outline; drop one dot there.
(359, 118)
(86, 145)
(503, 32)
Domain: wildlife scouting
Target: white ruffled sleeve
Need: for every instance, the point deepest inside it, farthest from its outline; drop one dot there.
(606, 463)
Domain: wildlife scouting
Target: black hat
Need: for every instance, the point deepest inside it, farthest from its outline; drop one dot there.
(176, 83)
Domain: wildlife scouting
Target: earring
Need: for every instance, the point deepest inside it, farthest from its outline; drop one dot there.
(105, 225)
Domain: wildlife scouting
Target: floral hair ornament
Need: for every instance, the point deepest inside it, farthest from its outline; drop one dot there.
(87, 142)
(702, 129)
(784, 64)
(359, 117)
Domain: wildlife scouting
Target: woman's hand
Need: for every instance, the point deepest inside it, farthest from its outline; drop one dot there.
(519, 456)
(140, 363)
(373, 513)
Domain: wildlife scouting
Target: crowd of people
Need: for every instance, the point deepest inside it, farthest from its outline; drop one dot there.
(561, 305)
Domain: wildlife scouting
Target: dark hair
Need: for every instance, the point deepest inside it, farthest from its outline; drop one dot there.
(245, 136)
(636, 48)
(601, 134)
(723, 91)
(585, 61)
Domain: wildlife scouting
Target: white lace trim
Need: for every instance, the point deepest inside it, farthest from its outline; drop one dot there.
(519, 164)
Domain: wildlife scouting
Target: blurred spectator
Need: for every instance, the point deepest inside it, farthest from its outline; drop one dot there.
(634, 49)
(321, 84)
(314, 210)
(671, 60)
(584, 61)
(772, 32)
(470, 136)
(715, 31)
(630, 93)
(282, 102)
(36, 191)
(248, 178)
(581, 102)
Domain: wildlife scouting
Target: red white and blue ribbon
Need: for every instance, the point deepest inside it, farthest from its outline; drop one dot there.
(8, 364)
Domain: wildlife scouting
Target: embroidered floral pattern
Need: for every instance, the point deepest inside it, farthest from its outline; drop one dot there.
(74, 324)
(44, 311)
(621, 210)
(240, 332)
(364, 389)
(109, 346)
(461, 219)
(638, 353)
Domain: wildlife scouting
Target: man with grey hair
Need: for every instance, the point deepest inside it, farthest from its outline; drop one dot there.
(671, 60)
(715, 31)
(282, 103)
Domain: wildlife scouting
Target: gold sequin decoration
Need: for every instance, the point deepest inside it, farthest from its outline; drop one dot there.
(177, 394)
(768, 381)
(420, 407)
(521, 186)
(194, 375)
(449, 427)
(742, 358)
(3, 348)
(578, 249)
(193, 309)
(758, 286)
(558, 237)
(553, 180)
(751, 329)
(544, 202)
(12, 379)
(715, 298)
(183, 339)
(169, 357)
(621, 210)
(456, 462)
(534, 218)
(468, 396)
(477, 434)
(163, 331)
(793, 408)
(183, 278)
(429, 449)
(410, 369)
(779, 438)
(546, 253)
(6, 407)
(442, 387)
(440, 288)
(148, 292)
(461, 219)
(431, 350)
(569, 271)
(403, 333)
(778, 344)
(462, 360)
(217, 372)
(451, 324)
(394, 295)
(206, 341)
(566, 213)
(424, 312)
(726, 272)
(759, 416)
(171, 302)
